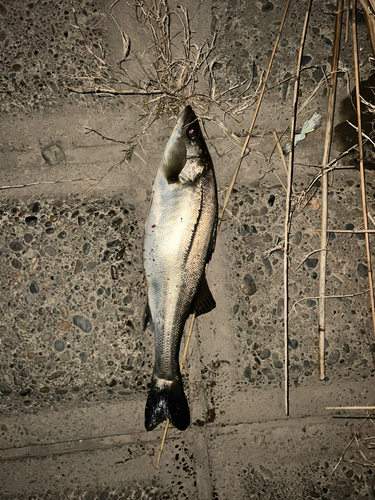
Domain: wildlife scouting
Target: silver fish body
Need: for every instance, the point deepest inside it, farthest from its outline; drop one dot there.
(180, 234)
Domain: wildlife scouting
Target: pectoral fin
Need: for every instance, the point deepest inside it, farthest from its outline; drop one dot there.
(204, 301)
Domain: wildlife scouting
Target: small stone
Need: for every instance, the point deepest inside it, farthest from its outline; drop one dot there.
(57, 374)
(64, 326)
(61, 392)
(106, 255)
(278, 230)
(82, 323)
(349, 227)
(297, 238)
(91, 266)
(15, 246)
(269, 329)
(59, 280)
(53, 218)
(66, 356)
(30, 355)
(64, 312)
(46, 336)
(50, 366)
(293, 343)
(271, 200)
(248, 285)
(265, 354)
(311, 263)
(5, 389)
(62, 235)
(305, 60)
(10, 343)
(40, 327)
(83, 357)
(267, 266)
(117, 222)
(114, 243)
(266, 471)
(247, 372)
(44, 390)
(28, 238)
(362, 270)
(78, 267)
(333, 357)
(268, 373)
(25, 392)
(50, 230)
(345, 348)
(29, 299)
(310, 303)
(31, 221)
(59, 345)
(16, 264)
(34, 287)
(38, 360)
(86, 248)
(81, 221)
(276, 361)
(35, 207)
(244, 229)
(50, 250)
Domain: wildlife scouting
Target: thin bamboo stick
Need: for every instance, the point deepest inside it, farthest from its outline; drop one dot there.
(350, 408)
(326, 154)
(288, 205)
(354, 231)
(361, 165)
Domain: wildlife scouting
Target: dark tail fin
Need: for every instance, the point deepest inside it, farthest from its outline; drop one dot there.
(167, 399)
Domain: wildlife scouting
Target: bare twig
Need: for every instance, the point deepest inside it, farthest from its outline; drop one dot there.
(39, 183)
(326, 154)
(349, 444)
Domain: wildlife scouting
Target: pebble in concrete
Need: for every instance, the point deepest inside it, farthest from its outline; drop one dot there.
(83, 323)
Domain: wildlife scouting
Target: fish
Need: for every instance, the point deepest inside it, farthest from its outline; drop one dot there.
(180, 236)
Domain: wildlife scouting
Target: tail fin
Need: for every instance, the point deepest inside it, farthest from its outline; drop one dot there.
(167, 399)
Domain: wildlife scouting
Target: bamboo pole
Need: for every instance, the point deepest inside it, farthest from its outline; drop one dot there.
(361, 165)
(326, 154)
(288, 205)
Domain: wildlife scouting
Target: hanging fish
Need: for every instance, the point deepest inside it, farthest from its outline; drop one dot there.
(179, 240)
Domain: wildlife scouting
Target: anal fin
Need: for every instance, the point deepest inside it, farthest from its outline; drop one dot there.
(204, 301)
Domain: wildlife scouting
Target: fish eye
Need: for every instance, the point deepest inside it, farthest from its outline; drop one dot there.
(192, 133)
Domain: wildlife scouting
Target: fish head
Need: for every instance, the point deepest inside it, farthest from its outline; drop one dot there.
(186, 144)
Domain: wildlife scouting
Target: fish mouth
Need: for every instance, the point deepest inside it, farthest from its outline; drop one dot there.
(187, 116)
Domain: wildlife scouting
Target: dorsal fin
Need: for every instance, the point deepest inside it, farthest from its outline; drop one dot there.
(204, 301)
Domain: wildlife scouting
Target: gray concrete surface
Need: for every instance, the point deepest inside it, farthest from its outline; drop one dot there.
(74, 363)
